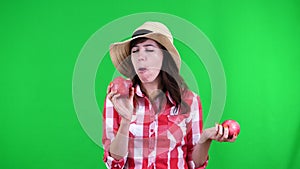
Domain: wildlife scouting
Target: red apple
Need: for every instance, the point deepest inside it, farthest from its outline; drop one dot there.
(233, 127)
(122, 86)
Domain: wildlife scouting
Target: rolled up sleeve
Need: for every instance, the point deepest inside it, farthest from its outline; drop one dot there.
(113, 163)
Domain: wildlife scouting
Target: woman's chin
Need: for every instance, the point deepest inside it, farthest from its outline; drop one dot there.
(145, 80)
(148, 79)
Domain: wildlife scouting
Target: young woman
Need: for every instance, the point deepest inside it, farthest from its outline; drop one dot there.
(160, 124)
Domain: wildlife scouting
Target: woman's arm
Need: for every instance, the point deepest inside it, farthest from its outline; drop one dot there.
(218, 133)
(124, 107)
(121, 140)
(200, 153)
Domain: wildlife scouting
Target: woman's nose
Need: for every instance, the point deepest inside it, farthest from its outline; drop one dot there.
(142, 55)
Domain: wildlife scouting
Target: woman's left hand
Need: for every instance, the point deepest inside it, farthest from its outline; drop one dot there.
(218, 133)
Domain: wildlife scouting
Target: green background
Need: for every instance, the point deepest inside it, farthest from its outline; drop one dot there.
(257, 41)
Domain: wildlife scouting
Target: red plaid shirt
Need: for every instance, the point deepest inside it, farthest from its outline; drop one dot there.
(163, 140)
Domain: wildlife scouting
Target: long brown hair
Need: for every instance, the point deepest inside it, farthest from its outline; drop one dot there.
(170, 78)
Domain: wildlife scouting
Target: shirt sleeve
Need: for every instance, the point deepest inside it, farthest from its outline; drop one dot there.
(194, 130)
(111, 123)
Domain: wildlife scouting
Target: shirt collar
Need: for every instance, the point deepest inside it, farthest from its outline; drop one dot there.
(138, 91)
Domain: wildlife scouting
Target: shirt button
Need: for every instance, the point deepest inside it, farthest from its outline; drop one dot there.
(116, 165)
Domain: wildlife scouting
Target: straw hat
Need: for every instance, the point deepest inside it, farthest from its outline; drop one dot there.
(119, 52)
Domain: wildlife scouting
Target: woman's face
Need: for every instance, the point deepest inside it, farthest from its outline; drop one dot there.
(147, 60)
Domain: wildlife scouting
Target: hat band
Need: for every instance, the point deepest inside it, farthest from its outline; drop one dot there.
(140, 32)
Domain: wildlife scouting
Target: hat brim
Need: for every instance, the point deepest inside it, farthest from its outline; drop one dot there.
(119, 52)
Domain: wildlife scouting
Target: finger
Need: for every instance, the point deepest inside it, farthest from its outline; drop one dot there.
(226, 132)
(111, 94)
(233, 138)
(220, 132)
(117, 95)
(114, 97)
(217, 128)
(109, 87)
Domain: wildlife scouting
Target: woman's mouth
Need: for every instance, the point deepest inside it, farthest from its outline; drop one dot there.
(142, 70)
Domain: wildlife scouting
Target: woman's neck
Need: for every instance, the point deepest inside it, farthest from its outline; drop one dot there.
(152, 87)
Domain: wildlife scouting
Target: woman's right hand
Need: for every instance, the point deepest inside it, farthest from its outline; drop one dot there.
(123, 105)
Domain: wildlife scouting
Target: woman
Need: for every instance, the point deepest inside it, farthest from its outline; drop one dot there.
(160, 124)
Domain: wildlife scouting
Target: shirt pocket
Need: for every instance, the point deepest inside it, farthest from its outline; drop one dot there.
(176, 129)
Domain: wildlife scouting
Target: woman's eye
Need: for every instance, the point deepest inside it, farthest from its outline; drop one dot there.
(149, 48)
(134, 51)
